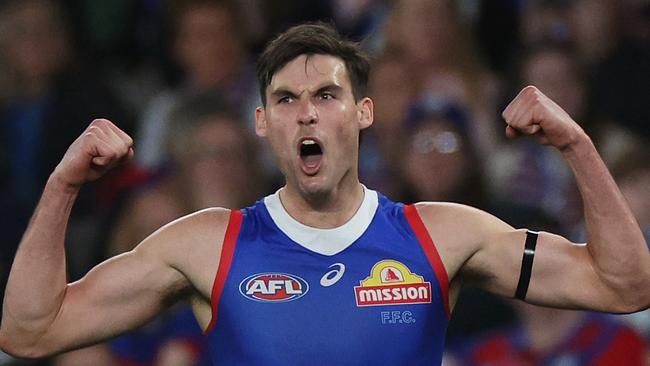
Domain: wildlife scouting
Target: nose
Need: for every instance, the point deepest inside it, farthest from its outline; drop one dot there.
(307, 113)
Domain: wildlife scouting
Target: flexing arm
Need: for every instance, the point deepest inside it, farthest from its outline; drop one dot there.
(616, 260)
(42, 314)
(610, 273)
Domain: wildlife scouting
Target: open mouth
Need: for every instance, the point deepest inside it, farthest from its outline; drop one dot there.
(311, 156)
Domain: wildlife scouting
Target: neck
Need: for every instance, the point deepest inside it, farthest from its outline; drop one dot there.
(323, 210)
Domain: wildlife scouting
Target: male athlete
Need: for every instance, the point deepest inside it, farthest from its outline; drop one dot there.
(325, 271)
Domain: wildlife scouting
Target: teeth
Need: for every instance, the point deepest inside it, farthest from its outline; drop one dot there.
(308, 142)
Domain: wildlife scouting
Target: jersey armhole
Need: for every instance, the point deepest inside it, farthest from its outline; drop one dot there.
(429, 248)
(227, 253)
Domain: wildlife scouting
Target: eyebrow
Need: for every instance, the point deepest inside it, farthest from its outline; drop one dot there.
(285, 92)
(329, 87)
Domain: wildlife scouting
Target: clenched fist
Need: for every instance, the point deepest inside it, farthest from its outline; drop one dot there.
(533, 113)
(100, 147)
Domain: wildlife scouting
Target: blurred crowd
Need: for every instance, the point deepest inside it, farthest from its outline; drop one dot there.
(179, 76)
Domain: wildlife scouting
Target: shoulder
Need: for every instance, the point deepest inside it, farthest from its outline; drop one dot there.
(180, 241)
(452, 224)
(458, 218)
(199, 225)
(428, 209)
(191, 245)
(458, 231)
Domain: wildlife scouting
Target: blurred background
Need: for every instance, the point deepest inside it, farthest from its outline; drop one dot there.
(179, 76)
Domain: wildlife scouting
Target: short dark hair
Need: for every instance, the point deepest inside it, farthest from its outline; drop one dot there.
(313, 39)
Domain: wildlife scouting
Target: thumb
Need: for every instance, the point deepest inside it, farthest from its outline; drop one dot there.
(101, 160)
(533, 129)
(512, 133)
(129, 156)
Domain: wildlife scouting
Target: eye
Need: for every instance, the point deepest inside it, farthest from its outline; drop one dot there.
(285, 99)
(326, 96)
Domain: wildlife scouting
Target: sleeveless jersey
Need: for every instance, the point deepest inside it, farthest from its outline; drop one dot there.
(371, 292)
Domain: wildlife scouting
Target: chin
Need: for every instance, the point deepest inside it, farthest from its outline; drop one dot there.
(315, 188)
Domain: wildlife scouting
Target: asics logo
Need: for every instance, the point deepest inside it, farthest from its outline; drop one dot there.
(333, 276)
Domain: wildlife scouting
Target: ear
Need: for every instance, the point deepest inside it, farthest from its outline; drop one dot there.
(365, 112)
(260, 121)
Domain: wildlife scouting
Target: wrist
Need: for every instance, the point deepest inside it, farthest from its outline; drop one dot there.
(579, 146)
(58, 184)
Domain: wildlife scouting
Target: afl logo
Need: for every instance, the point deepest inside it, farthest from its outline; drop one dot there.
(273, 287)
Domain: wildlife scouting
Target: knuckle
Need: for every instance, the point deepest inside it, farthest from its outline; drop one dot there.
(103, 123)
(507, 115)
(98, 121)
(122, 150)
(92, 132)
(109, 154)
(127, 141)
(530, 89)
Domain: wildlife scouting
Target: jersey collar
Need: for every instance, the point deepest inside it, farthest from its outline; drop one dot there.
(324, 241)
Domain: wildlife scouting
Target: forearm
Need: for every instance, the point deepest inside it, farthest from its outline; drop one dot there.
(615, 241)
(37, 280)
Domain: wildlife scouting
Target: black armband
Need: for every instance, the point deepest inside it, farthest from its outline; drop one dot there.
(526, 264)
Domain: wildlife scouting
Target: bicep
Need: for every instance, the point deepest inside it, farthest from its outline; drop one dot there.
(562, 274)
(118, 295)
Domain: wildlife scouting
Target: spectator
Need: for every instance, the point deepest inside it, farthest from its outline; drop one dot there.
(558, 337)
(524, 173)
(205, 139)
(432, 38)
(633, 177)
(211, 54)
(622, 75)
(381, 144)
(48, 98)
(544, 336)
(439, 162)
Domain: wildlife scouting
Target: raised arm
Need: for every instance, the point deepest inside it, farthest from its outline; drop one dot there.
(42, 314)
(609, 273)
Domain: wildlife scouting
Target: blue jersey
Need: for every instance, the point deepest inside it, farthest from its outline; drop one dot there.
(371, 292)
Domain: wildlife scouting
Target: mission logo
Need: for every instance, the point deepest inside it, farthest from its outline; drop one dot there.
(273, 287)
(392, 283)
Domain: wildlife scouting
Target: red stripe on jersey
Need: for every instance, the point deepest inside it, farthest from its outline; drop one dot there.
(431, 252)
(227, 253)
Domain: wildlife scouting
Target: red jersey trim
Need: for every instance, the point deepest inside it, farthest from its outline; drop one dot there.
(227, 253)
(429, 248)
